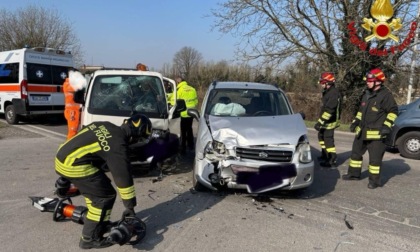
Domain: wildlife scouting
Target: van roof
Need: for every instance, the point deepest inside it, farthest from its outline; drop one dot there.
(126, 72)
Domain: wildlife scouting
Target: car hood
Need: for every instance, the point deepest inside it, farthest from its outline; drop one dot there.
(244, 131)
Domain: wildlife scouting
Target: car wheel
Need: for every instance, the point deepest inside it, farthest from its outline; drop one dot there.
(10, 115)
(196, 185)
(409, 145)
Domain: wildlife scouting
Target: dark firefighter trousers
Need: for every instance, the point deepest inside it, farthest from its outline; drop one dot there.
(187, 137)
(376, 150)
(100, 197)
(326, 140)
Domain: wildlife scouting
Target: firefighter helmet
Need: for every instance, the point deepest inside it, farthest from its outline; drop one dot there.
(327, 78)
(137, 126)
(375, 74)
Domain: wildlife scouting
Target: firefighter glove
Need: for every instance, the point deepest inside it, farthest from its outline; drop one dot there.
(317, 126)
(353, 125)
(128, 212)
(385, 131)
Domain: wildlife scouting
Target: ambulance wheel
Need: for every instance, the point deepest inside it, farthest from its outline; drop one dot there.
(10, 115)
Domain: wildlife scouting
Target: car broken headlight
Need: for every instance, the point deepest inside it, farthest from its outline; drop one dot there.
(214, 150)
(304, 149)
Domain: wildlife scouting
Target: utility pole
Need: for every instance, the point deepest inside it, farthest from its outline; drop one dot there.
(413, 58)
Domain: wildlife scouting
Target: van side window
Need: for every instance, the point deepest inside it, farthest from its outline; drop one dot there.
(9, 73)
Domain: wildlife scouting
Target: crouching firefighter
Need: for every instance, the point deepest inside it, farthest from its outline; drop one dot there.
(329, 119)
(80, 160)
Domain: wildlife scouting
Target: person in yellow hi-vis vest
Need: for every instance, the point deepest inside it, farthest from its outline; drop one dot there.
(189, 95)
(170, 97)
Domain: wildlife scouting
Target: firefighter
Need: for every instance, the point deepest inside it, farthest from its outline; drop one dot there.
(72, 84)
(189, 95)
(372, 124)
(329, 119)
(99, 147)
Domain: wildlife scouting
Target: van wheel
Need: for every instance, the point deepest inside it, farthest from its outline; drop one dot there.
(409, 145)
(10, 115)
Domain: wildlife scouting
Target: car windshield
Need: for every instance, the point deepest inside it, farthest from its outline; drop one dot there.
(247, 103)
(121, 94)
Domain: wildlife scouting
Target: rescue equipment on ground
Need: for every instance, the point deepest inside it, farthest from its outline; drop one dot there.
(129, 230)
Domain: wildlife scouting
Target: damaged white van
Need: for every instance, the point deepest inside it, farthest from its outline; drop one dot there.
(249, 138)
(114, 95)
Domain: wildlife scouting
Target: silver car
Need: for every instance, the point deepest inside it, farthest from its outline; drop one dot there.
(249, 138)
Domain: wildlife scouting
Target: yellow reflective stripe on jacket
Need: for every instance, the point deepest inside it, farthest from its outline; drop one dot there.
(94, 147)
(359, 115)
(78, 171)
(332, 125)
(127, 193)
(326, 116)
(390, 118)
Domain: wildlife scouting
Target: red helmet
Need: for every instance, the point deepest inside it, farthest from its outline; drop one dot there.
(375, 74)
(327, 77)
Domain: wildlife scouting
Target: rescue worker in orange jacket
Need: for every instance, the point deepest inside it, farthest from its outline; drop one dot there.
(377, 113)
(72, 109)
(329, 119)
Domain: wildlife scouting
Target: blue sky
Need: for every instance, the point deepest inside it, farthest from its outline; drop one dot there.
(124, 33)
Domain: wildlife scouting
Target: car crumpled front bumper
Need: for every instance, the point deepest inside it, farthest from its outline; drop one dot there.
(254, 176)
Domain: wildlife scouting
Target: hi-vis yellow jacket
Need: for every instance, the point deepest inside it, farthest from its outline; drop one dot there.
(188, 94)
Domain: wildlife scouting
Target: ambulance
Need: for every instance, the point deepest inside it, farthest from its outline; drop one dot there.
(31, 82)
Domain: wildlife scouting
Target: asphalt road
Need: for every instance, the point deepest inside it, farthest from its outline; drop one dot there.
(331, 215)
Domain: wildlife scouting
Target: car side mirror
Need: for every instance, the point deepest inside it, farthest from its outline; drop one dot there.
(79, 96)
(179, 107)
(194, 114)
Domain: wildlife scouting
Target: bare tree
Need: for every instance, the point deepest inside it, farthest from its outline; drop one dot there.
(186, 61)
(316, 31)
(36, 26)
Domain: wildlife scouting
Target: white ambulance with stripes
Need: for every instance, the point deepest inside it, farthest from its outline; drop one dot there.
(31, 81)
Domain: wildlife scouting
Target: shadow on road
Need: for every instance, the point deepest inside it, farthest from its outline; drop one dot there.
(171, 214)
(392, 168)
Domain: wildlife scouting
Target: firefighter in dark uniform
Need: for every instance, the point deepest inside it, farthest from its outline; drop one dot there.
(329, 119)
(82, 160)
(377, 113)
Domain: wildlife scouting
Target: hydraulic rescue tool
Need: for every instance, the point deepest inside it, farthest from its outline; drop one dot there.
(129, 230)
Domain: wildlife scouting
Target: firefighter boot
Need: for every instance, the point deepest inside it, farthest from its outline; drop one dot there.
(352, 174)
(323, 156)
(88, 243)
(331, 161)
(374, 181)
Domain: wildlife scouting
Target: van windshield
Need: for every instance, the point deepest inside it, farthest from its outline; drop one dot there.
(247, 102)
(119, 95)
